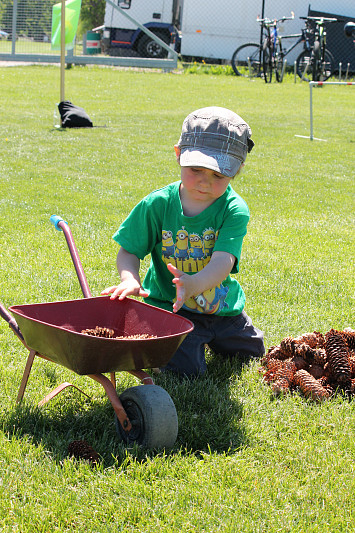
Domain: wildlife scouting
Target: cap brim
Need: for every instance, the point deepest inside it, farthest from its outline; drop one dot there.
(220, 162)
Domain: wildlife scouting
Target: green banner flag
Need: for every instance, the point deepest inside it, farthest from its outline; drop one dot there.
(72, 12)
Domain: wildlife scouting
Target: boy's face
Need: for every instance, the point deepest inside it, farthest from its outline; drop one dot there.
(202, 185)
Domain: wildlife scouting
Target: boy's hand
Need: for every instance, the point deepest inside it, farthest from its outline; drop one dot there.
(183, 286)
(129, 287)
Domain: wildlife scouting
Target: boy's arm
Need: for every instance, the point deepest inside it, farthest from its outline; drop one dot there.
(128, 268)
(210, 276)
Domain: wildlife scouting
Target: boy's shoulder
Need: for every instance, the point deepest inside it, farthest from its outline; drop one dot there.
(163, 193)
(234, 201)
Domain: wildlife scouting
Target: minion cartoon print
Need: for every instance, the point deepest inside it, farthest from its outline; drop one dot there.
(168, 247)
(182, 244)
(209, 239)
(191, 252)
(196, 250)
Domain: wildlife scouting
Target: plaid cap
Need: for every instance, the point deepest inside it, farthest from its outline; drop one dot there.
(215, 138)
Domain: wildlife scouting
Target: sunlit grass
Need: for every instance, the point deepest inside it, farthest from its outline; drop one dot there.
(243, 461)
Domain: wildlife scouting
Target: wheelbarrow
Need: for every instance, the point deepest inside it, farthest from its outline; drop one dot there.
(54, 331)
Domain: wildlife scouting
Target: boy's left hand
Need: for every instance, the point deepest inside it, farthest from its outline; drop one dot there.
(183, 284)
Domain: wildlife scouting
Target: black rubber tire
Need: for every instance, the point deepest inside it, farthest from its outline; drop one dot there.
(316, 66)
(326, 67)
(153, 417)
(306, 57)
(267, 62)
(147, 47)
(279, 63)
(240, 63)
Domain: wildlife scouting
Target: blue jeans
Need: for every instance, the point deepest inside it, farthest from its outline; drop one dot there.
(229, 336)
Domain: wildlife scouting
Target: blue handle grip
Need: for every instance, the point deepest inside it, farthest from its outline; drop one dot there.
(55, 219)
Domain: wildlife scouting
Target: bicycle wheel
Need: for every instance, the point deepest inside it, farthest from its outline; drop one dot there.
(246, 60)
(305, 66)
(316, 63)
(326, 67)
(267, 62)
(279, 63)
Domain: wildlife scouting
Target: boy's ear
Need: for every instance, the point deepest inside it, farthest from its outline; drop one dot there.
(177, 152)
(240, 169)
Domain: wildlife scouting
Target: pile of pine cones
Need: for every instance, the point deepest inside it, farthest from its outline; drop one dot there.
(318, 365)
(108, 333)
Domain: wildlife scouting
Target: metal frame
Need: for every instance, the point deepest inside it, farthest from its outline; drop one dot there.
(169, 63)
(319, 84)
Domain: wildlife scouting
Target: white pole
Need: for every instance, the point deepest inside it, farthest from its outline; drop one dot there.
(347, 72)
(311, 111)
(62, 50)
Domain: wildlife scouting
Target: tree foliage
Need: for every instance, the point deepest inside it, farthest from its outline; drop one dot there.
(92, 14)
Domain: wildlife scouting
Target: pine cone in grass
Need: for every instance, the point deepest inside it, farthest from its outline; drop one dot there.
(338, 358)
(286, 371)
(312, 339)
(309, 386)
(287, 347)
(320, 356)
(349, 336)
(80, 449)
(273, 352)
(352, 364)
(306, 352)
(280, 386)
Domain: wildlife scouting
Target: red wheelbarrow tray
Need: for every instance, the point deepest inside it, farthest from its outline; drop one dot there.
(53, 330)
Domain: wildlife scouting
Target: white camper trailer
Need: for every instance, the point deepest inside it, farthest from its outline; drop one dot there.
(203, 28)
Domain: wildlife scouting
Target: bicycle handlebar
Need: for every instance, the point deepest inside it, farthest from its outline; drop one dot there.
(320, 20)
(269, 22)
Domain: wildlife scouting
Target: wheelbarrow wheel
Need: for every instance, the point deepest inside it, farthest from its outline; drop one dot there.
(153, 417)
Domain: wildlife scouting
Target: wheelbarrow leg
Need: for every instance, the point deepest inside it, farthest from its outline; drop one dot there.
(145, 378)
(114, 399)
(26, 374)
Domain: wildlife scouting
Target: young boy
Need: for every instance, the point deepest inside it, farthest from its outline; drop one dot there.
(194, 230)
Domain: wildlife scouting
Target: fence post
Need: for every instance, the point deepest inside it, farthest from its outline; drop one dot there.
(14, 28)
(311, 111)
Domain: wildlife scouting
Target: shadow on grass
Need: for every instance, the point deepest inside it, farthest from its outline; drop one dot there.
(210, 418)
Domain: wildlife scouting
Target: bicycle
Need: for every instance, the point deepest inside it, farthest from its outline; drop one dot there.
(319, 60)
(247, 59)
(273, 55)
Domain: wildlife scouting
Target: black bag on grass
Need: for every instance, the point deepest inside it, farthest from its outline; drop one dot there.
(73, 116)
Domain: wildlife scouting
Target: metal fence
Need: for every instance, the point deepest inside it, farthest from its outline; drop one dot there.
(149, 33)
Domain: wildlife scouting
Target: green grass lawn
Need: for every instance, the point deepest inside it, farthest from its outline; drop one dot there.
(244, 461)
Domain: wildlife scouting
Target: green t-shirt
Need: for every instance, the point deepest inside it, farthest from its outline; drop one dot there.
(157, 226)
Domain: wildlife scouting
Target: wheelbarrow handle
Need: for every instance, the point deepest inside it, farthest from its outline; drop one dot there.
(55, 219)
(62, 225)
(11, 321)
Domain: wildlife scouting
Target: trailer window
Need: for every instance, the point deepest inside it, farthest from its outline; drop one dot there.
(124, 4)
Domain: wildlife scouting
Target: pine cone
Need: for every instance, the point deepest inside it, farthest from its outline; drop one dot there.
(320, 356)
(316, 371)
(312, 339)
(280, 386)
(286, 372)
(287, 347)
(338, 359)
(80, 449)
(306, 352)
(99, 332)
(309, 386)
(299, 362)
(349, 336)
(352, 364)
